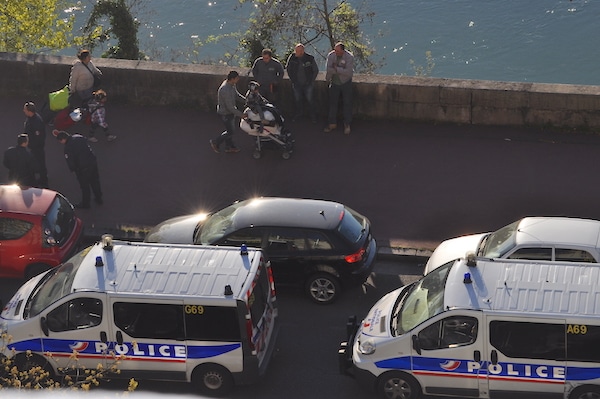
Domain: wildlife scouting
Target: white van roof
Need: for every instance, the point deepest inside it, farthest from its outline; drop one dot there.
(167, 269)
(549, 288)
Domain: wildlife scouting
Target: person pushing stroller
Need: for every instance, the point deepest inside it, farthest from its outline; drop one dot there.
(255, 102)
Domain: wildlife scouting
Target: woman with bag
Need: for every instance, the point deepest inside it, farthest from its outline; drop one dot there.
(84, 79)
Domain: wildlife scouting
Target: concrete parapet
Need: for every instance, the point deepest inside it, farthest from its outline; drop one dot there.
(386, 97)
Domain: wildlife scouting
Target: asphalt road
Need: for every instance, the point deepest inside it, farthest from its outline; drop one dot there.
(417, 183)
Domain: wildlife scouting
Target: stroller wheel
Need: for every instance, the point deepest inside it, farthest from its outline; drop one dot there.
(256, 154)
(285, 155)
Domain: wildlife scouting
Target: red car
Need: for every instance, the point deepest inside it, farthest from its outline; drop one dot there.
(38, 230)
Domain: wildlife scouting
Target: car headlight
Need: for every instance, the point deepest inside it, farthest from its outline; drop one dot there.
(366, 347)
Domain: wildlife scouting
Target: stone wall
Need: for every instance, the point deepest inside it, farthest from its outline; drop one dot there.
(423, 99)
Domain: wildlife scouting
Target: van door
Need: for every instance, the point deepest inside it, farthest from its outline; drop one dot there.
(149, 334)
(77, 324)
(526, 357)
(446, 354)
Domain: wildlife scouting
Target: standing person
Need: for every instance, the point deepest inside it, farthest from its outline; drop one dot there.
(227, 110)
(340, 69)
(302, 70)
(82, 79)
(20, 163)
(82, 160)
(98, 116)
(36, 130)
(268, 72)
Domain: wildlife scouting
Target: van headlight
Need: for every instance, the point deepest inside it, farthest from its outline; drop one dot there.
(366, 347)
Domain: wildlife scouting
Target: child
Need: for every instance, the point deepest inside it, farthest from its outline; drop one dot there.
(98, 115)
(255, 101)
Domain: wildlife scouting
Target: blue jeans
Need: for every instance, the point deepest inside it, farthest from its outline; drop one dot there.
(345, 89)
(304, 91)
(226, 136)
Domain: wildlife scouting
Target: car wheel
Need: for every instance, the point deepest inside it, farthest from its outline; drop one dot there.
(35, 269)
(585, 392)
(323, 288)
(398, 385)
(212, 379)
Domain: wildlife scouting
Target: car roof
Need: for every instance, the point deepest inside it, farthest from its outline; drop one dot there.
(288, 212)
(558, 230)
(27, 200)
(166, 269)
(518, 286)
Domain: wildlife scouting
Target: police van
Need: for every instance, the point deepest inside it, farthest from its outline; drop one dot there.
(479, 328)
(206, 315)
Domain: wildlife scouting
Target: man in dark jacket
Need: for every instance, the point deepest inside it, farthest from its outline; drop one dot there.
(82, 160)
(302, 70)
(20, 163)
(36, 130)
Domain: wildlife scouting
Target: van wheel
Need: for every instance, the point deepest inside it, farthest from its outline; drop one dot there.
(35, 269)
(322, 288)
(585, 392)
(212, 379)
(398, 385)
(36, 367)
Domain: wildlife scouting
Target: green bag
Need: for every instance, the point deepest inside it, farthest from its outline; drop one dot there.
(59, 100)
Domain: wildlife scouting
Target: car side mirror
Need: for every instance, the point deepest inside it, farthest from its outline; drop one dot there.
(416, 344)
(44, 326)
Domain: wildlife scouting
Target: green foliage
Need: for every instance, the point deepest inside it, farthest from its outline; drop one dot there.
(122, 25)
(319, 24)
(29, 26)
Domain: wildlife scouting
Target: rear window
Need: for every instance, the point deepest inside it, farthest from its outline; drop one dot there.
(60, 220)
(13, 229)
(352, 226)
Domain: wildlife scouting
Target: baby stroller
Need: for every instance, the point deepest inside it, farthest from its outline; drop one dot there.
(273, 134)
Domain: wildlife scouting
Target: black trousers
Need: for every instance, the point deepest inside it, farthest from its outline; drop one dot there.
(89, 180)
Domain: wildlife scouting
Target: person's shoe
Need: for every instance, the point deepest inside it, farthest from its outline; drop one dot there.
(111, 137)
(214, 146)
(82, 206)
(330, 127)
(232, 149)
(93, 139)
(98, 201)
(346, 129)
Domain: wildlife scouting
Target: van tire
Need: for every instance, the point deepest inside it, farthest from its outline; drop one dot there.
(322, 288)
(585, 392)
(35, 269)
(398, 385)
(212, 379)
(25, 363)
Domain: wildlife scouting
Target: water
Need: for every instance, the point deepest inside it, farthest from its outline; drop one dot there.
(550, 41)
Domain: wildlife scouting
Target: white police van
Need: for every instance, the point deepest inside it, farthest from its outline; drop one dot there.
(480, 328)
(205, 315)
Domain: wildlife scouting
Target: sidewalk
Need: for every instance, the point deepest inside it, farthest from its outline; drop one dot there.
(418, 184)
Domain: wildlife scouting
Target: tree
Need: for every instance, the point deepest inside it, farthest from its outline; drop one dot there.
(280, 24)
(122, 26)
(30, 26)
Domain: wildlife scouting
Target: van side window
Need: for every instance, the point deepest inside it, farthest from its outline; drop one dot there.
(573, 255)
(211, 323)
(149, 320)
(75, 315)
(449, 333)
(528, 340)
(532, 254)
(582, 343)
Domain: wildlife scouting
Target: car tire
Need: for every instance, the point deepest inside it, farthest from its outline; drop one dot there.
(322, 288)
(398, 385)
(585, 392)
(212, 380)
(35, 269)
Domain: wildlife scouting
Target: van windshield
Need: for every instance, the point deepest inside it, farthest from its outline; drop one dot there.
(423, 301)
(55, 285)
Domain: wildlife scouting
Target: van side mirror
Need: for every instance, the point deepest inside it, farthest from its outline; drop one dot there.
(416, 344)
(44, 326)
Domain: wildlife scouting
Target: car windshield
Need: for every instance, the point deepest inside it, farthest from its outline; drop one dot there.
(353, 225)
(424, 300)
(59, 221)
(497, 244)
(55, 285)
(217, 225)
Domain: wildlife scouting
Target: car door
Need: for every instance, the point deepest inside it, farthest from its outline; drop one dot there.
(526, 356)
(75, 330)
(447, 355)
(288, 251)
